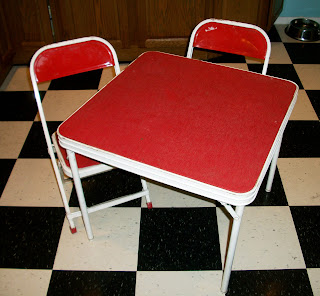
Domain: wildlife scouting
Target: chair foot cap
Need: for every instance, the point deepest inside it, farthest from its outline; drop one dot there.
(149, 205)
(73, 230)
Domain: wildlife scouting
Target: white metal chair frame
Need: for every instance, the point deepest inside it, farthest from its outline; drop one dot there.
(237, 213)
(60, 167)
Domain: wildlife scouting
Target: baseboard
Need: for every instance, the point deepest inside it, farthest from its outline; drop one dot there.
(286, 20)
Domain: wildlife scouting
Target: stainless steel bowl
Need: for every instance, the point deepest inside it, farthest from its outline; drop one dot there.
(303, 29)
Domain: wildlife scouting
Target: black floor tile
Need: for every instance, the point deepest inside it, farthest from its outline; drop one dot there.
(274, 35)
(88, 80)
(179, 239)
(109, 185)
(303, 53)
(301, 139)
(227, 58)
(29, 236)
(84, 283)
(276, 197)
(307, 223)
(6, 166)
(18, 105)
(314, 97)
(270, 282)
(35, 145)
(285, 71)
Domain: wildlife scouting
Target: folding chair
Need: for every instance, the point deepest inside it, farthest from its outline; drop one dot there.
(64, 59)
(246, 40)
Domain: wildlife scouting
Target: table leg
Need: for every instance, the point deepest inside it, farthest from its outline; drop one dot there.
(231, 249)
(273, 167)
(79, 190)
(145, 188)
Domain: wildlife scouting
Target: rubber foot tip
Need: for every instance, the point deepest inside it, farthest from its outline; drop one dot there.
(73, 230)
(149, 205)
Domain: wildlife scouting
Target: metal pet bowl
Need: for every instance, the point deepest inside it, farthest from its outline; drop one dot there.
(303, 29)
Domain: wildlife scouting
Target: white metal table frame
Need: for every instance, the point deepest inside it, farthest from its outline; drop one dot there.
(227, 198)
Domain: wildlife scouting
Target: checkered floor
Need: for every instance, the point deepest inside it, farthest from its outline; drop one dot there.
(177, 248)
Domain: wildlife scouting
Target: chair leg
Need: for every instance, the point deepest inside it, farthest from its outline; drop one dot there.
(59, 177)
(79, 190)
(231, 249)
(145, 187)
(273, 167)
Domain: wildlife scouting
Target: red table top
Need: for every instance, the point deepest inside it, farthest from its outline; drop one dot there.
(207, 122)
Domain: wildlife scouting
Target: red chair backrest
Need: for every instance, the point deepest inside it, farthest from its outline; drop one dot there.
(230, 38)
(65, 58)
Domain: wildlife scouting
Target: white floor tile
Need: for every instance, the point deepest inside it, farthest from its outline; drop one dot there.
(314, 277)
(303, 109)
(114, 247)
(267, 239)
(24, 282)
(279, 55)
(179, 283)
(21, 81)
(33, 183)
(309, 75)
(300, 179)
(108, 74)
(12, 137)
(60, 104)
